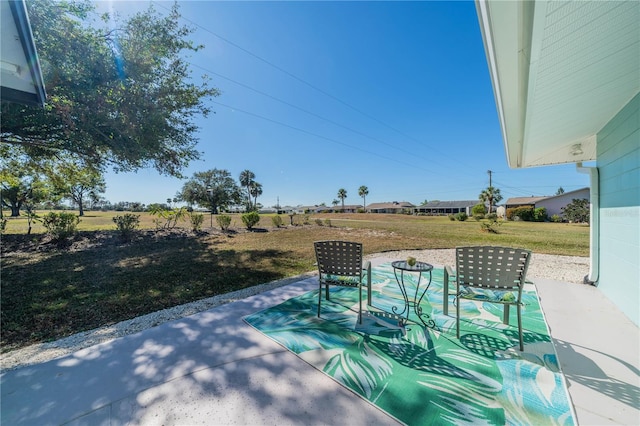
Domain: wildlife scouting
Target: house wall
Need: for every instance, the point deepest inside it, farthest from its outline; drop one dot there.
(618, 153)
(554, 205)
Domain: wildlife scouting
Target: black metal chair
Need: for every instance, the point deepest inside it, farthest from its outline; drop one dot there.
(340, 263)
(493, 275)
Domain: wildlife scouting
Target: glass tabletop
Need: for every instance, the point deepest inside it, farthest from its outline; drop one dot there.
(418, 267)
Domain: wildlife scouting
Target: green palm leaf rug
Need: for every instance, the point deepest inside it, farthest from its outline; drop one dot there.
(422, 375)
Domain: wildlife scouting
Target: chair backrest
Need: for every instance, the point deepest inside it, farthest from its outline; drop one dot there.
(492, 267)
(339, 257)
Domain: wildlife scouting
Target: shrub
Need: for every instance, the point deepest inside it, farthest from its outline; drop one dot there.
(277, 221)
(577, 211)
(250, 219)
(197, 219)
(492, 216)
(319, 222)
(540, 214)
(524, 213)
(479, 209)
(126, 224)
(223, 221)
(3, 225)
(462, 216)
(327, 222)
(478, 217)
(60, 226)
(452, 217)
(556, 218)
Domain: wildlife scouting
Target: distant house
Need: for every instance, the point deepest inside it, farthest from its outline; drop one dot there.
(553, 204)
(315, 209)
(392, 207)
(352, 208)
(438, 208)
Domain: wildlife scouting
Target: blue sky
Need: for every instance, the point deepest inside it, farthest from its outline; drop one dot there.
(319, 96)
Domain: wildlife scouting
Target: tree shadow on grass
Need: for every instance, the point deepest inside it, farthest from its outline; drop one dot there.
(50, 295)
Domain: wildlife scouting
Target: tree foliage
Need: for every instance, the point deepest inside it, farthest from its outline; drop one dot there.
(491, 195)
(76, 182)
(577, 211)
(342, 194)
(21, 181)
(214, 189)
(363, 191)
(118, 93)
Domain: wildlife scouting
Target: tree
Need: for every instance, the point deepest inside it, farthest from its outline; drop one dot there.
(21, 182)
(577, 211)
(560, 191)
(342, 194)
(120, 96)
(214, 189)
(77, 182)
(490, 195)
(363, 191)
(255, 191)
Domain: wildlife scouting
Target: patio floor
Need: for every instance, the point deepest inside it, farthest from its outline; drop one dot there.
(212, 368)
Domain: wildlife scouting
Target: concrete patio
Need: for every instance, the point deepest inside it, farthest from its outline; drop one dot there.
(212, 368)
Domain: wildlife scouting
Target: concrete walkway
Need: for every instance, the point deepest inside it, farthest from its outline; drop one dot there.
(212, 368)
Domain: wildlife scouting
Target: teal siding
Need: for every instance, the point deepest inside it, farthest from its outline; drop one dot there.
(619, 163)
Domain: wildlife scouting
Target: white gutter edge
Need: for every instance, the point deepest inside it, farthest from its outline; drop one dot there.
(594, 232)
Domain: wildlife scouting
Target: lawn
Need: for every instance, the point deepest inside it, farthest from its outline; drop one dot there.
(50, 292)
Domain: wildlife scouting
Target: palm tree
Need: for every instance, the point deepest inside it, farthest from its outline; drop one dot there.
(246, 180)
(490, 195)
(342, 194)
(363, 191)
(255, 191)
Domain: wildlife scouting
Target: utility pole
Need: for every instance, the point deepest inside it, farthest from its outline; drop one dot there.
(490, 189)
(489, 171)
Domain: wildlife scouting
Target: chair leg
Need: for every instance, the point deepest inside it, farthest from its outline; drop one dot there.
(505, 315)
(457, 299)
(520, 328)
(319, 298)
(360, 307)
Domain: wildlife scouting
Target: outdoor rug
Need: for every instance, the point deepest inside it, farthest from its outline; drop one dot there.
(425, 375)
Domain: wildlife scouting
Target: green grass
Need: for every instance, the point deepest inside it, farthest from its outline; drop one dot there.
(49, 293)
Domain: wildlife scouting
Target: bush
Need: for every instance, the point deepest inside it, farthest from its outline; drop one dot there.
(540, 214)
(479, 209)
(577, 211)
(462, 216)
(451, 217)
(319, 222)
(277, 221)
(60, 226)
(197, 219)
(523, 213)
(223, 221)
(327, 222)
(492, 216)
(478, 217)
(3, 226)
(250, 219)
(556, 218)
(126, 224)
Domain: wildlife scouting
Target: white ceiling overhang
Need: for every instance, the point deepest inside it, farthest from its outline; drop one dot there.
(560, 71)
(20, 75)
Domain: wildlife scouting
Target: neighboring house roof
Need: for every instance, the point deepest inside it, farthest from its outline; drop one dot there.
(521, 201)
(20, 74)
(547, 60)
(390, 205)
(448, 204)
(533, 200)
